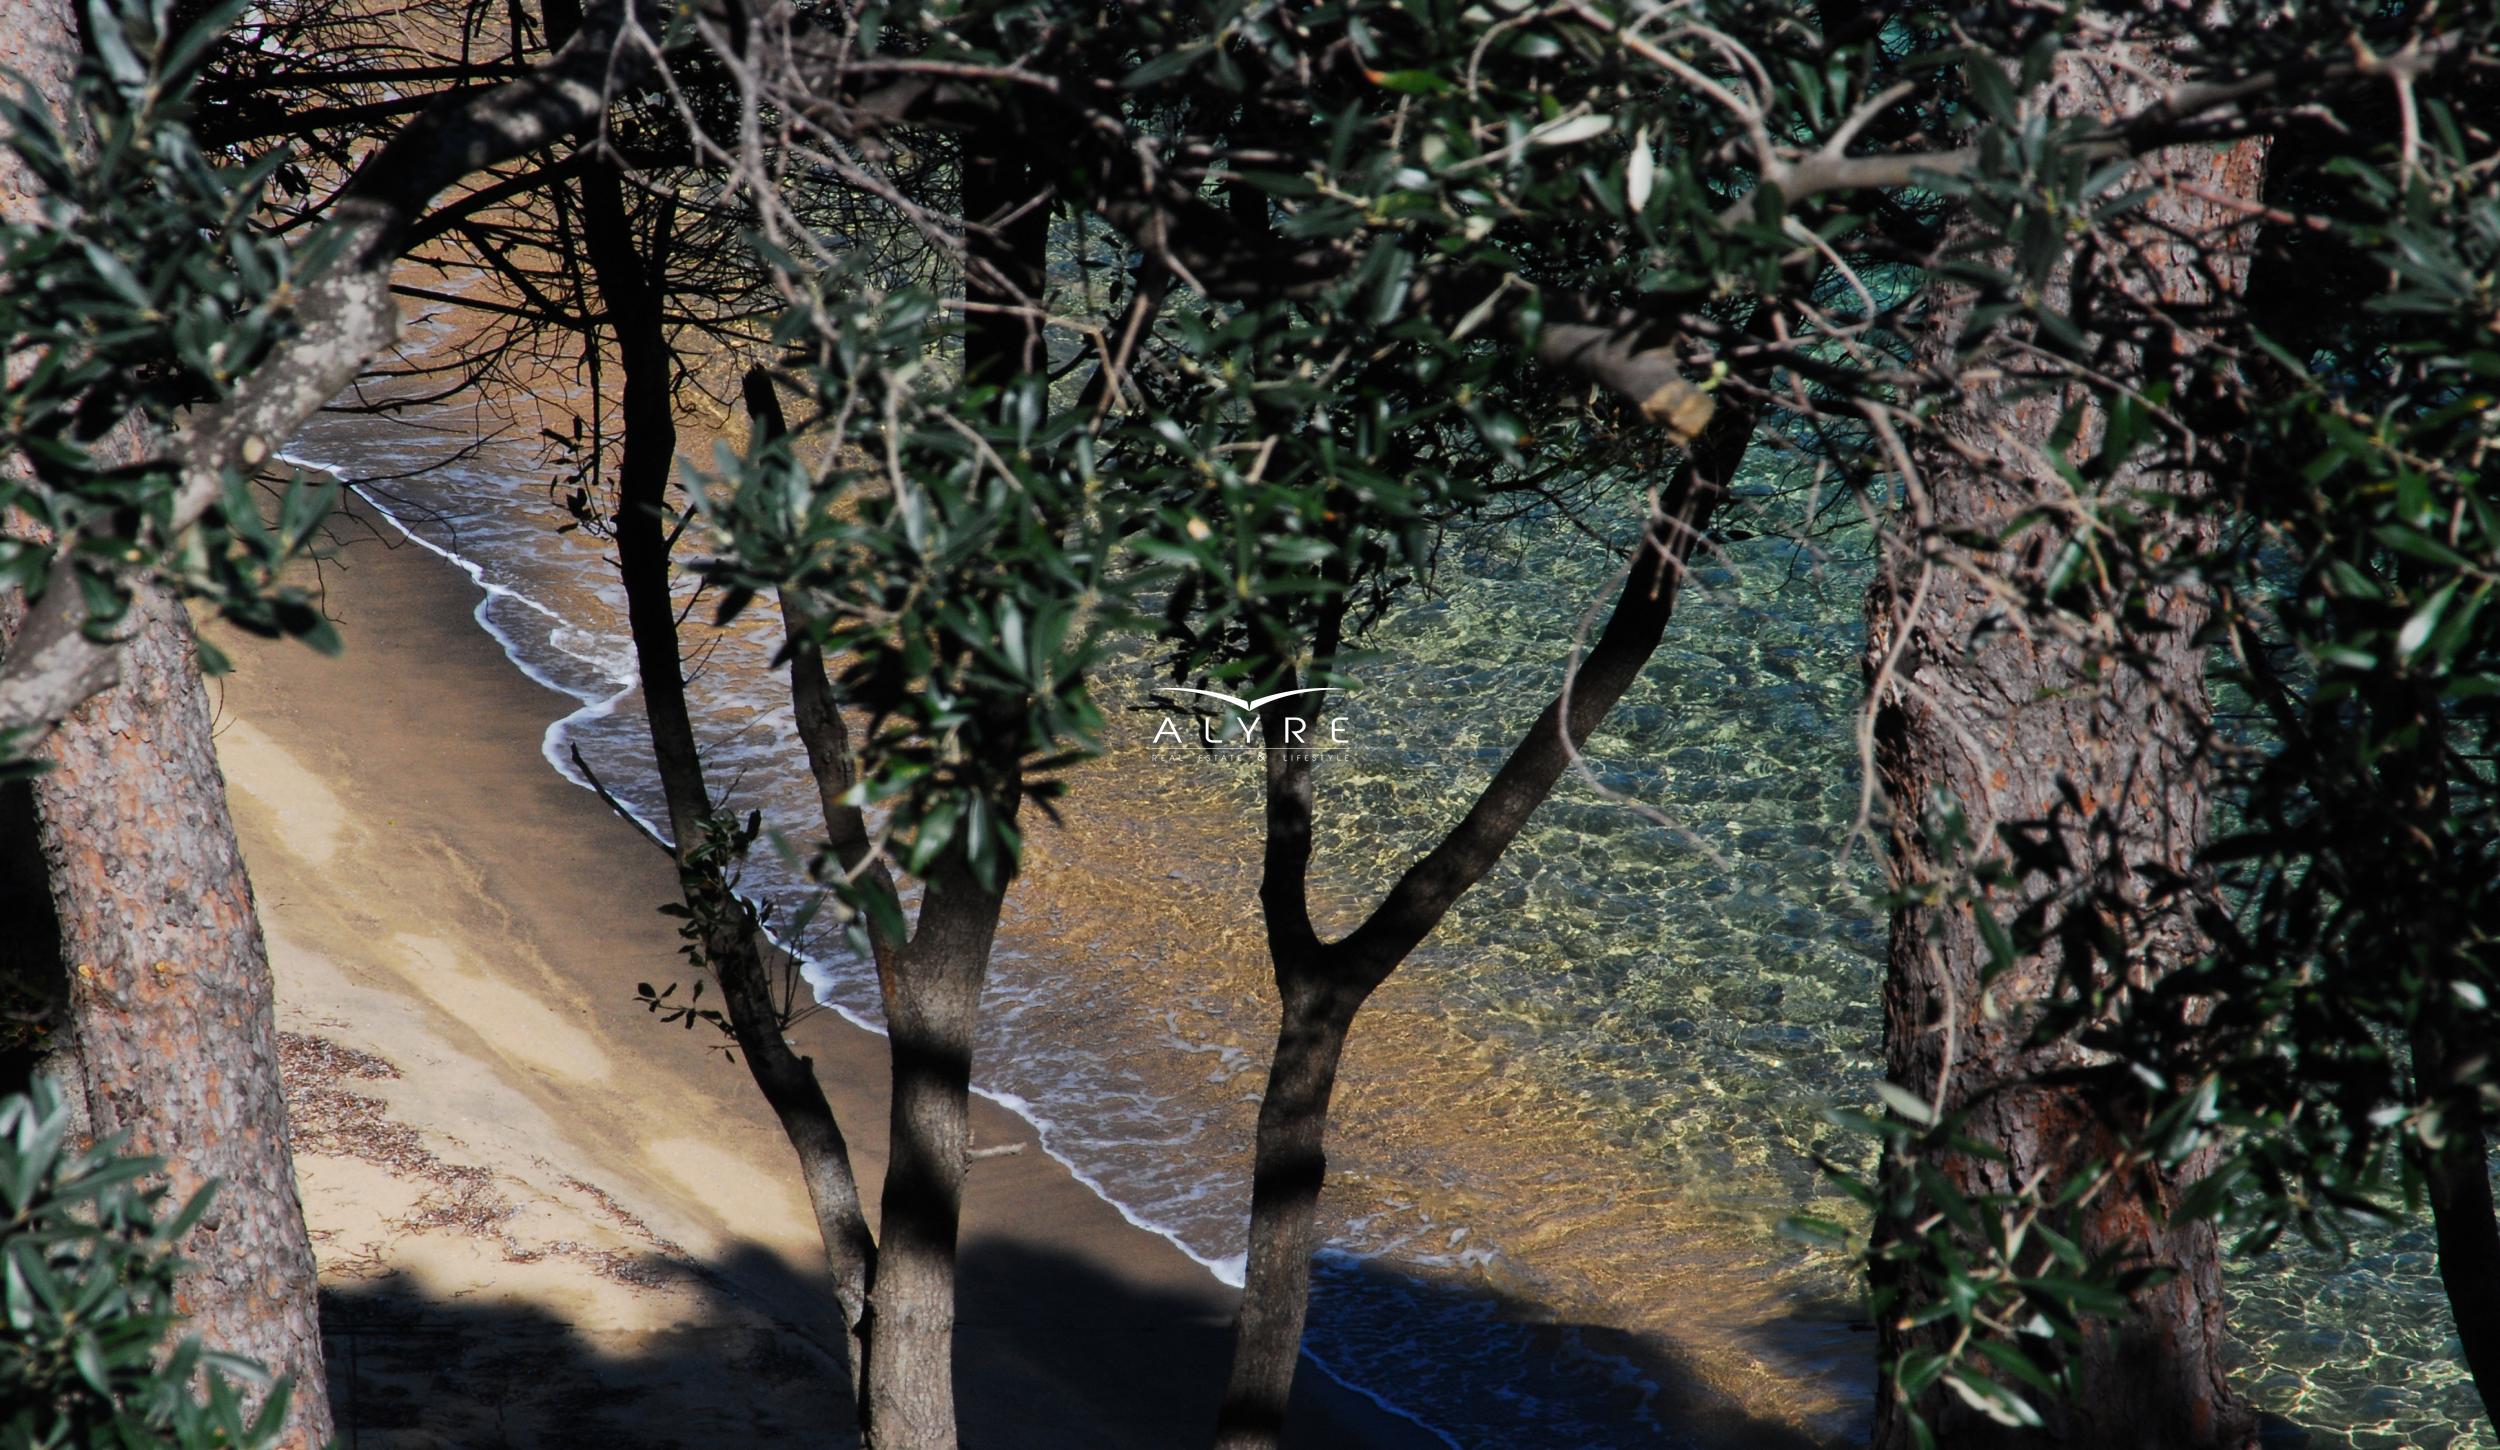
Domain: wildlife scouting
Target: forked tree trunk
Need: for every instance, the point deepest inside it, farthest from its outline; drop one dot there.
(170, 1035)
(932, 983)
(1321, 986)
(2033, 737)
(732, 942)
(898, 1291)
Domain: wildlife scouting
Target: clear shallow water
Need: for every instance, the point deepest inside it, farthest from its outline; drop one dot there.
(1569, 1123)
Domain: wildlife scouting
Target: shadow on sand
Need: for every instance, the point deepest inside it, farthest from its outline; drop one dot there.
(1052, 1354)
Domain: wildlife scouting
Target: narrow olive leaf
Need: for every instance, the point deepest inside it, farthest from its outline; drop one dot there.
(1994, 1401)
(2417, 630)
(1410, 82)
(1819, 1232)
(1908, 1104)
(1571, 131)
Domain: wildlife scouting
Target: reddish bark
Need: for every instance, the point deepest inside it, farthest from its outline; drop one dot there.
(173, 1033)
(170, 1036)
(2033, 735)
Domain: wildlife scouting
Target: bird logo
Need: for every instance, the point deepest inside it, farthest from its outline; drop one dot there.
(1251, 707)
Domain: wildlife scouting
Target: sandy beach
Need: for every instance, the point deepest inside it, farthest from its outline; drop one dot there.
(543, 1217)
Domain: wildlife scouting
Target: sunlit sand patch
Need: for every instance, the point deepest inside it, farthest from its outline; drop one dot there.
(714, 1174)
(310, 817)
(511, 1020)
(382, 1200)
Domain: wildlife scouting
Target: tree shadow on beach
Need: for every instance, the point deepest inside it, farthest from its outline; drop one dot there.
(410, 1369)
(1054, 1353)
(1803, 1382)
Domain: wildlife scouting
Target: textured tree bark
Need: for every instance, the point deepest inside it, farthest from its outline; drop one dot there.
(170, 1035)
(1321, 986)
(1288, 1168)
(2040, 741)
(932, 1004)
(173, 1028)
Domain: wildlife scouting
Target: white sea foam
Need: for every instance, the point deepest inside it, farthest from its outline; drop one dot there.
(1162, 1149)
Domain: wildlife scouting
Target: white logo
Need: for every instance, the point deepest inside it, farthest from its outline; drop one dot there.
(1251, 706)
(1247, 727)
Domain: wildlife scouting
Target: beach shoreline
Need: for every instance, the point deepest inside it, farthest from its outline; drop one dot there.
(519, 1179)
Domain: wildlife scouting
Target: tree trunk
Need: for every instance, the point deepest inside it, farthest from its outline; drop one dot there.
(1007, 233)
(2414, 765)
(1322, 985)
(169, 1033)
(2450, 1067)
(2458, 1180)
(816, 715)
(2040, 742)
(173, 1032)
(732, 941)
(932, 983)
(932, 1004)
(1289, 1166)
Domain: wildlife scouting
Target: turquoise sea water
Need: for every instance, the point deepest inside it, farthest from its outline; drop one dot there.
(1571, 1122)
(1706, 984)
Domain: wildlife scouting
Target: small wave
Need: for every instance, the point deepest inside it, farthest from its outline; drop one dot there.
(827, 976)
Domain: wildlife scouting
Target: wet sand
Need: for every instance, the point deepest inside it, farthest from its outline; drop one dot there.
(545, 1218)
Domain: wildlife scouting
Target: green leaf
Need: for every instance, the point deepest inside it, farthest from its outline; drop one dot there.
(1410, 82)
(1167, 65)
(2417, 629)
(1908, 1104)
(1993, 1400)
(1819, 1232)
(936, 829)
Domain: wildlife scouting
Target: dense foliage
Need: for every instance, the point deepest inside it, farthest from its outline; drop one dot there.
(132, 290)
(1367, 269)
(87, 1274)
(1387, 262)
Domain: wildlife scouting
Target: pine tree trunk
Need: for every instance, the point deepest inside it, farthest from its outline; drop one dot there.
(170, 1034)
(2029, 734)
(172, 1025)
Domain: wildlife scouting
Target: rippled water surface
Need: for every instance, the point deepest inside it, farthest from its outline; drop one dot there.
(1569, 1124)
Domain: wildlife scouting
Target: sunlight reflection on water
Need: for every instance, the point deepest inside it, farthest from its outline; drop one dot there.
(1571, 1121)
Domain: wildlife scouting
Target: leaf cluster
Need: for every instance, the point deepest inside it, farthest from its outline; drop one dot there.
(88, 1266)
(138, 288)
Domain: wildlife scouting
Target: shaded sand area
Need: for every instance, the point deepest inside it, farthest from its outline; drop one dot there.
(545, 1219)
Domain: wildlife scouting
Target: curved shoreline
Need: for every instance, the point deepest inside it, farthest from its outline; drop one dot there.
(1227, 1272)
(411, 750)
